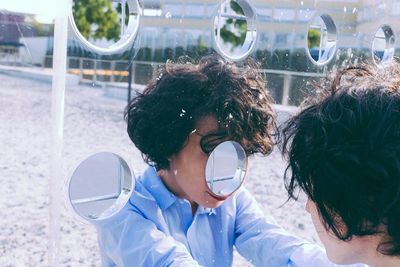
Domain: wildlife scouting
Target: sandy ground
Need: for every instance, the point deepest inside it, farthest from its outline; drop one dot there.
(93, 123)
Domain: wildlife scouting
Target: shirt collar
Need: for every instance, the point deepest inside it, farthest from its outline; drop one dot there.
(153, 183)
(164, 198)
(209, 211)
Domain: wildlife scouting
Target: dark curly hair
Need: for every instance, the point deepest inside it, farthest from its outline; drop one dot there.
(161, 118)
(343, 151)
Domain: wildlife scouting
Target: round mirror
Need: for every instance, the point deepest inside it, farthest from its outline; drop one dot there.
(105, 27)
(321, 39)
(226, 168)
(235, 30)
(100, 186)
(383, 45)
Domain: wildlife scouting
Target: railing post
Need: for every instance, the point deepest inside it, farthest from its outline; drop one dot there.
(80, 69)
(112, 67)
(94, 78)
(130, 77)
(287, 80)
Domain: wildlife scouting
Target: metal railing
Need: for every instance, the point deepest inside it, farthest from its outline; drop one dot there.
(100, 71)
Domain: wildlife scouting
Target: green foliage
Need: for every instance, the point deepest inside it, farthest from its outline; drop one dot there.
(43, 29)
(96, 19)
(234, 30)
(237, 8)
(313, 38)
(119, 10)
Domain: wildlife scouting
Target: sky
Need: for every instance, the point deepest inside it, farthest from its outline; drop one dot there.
(44, 10)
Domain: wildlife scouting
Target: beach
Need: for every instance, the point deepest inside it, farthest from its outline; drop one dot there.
(93, 122)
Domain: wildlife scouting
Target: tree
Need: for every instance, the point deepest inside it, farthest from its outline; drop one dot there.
(42, 29)
(313, 38)
(96, 19)
(234, 31)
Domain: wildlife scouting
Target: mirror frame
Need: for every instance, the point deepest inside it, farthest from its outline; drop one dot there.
(124, 43)
(246, 161)
(251, 19)
(331, 29)
(384, 27)
(123, 201)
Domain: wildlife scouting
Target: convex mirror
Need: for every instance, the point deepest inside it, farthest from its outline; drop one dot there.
(235, 32)
(100, 187)
(321, 39)
(105, 28)
(226, 169)
(383, 45)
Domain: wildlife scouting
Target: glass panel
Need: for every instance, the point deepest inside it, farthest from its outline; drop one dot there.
(26, 38)
(284, 14)
(100, 83)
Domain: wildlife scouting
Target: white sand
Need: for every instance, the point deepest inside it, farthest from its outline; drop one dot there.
(93, 122)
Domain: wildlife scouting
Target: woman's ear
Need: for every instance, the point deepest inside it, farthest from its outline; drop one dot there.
(161, 172)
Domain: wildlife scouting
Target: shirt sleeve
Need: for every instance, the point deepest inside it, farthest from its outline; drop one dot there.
(264, 243)
(258, 238)
(132, 240)
(314, 256)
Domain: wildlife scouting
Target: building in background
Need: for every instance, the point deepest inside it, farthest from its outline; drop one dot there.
(173, 28)
(20, 34)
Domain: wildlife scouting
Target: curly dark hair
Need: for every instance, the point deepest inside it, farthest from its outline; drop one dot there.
(161, 118)
(343, 151)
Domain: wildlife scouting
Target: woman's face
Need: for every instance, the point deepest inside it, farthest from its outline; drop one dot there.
(188, 166)
(338, 251)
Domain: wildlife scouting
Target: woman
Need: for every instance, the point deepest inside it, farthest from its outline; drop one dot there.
(344, 153)
(172, 218)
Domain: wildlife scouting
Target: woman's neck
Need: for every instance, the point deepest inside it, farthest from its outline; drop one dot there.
(168, 178)
(169, 181)
(383, 261)
(373, 257)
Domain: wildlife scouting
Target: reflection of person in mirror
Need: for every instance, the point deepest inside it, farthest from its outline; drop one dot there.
(344, 153)
(172, 219)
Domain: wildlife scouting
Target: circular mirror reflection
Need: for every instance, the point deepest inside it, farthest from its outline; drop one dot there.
(321, 39)
(235, 30)
(226, 168)
(100, 186)
(105, 27)
(383, 45)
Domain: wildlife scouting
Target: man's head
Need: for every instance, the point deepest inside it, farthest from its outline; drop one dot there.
(344, 153)
(190, 108)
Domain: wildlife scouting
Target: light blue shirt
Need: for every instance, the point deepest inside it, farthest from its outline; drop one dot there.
(156, 228)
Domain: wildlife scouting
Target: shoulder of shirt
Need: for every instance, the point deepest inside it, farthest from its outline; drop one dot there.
(141, 199)
(242, 193)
